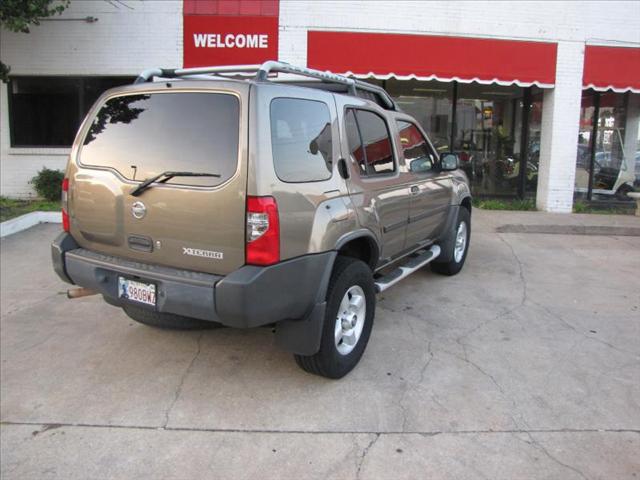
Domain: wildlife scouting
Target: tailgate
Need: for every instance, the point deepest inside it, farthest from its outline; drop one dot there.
(191, 223)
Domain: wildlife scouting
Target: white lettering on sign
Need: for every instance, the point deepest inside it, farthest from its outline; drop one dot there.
(230, 40)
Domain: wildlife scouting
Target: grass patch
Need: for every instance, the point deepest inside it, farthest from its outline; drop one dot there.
(10, 208)
(581, 207)
(527, 204)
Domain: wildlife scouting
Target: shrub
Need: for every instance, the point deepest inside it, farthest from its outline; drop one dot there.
(48, 184)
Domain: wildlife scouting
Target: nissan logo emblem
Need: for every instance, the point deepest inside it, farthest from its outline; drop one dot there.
(138, 210)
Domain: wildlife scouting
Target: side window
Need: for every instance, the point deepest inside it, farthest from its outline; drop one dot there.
(378, 149)
(418, 155)
(301, 140)
(355, 142)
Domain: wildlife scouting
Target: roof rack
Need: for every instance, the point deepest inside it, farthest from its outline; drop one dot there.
(262, 73)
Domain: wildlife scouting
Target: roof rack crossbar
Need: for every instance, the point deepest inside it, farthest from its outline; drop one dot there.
(148, 75)
(262, 74)
(353, 84)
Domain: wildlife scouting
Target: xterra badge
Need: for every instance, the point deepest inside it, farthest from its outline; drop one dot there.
(196, 252)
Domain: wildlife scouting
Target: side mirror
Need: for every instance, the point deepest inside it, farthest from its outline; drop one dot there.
(449, 161)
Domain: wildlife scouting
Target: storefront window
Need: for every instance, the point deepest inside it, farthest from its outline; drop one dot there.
(607, 146)
(430, 103)
(47, 111)
(487, 138)
(534, 136)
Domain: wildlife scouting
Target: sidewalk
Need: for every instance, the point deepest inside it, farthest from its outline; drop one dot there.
(491, 221)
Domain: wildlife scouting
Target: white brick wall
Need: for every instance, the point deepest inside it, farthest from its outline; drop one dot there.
(124, 41)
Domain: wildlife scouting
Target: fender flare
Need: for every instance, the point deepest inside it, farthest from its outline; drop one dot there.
(366, 234)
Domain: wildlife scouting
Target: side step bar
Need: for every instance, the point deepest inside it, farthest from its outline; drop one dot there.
(413, 263)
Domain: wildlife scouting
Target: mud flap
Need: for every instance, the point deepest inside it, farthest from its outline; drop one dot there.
(447, 241)
(302, 337)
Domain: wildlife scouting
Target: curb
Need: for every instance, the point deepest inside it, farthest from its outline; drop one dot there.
(28, 220)
(606, 230)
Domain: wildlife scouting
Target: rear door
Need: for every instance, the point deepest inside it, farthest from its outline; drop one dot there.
(377, 185)
(192, 223)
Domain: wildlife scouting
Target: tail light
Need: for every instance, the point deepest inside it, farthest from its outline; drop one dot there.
(263, 231)
(65, 204)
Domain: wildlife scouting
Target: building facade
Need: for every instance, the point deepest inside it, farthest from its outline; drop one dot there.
(539, 99)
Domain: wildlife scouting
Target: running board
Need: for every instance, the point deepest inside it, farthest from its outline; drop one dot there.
(413, 263)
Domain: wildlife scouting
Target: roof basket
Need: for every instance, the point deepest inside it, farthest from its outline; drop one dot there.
(262, 73)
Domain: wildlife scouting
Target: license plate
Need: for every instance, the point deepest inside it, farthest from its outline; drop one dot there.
(137, 291)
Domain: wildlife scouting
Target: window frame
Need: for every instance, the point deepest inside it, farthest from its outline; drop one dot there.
(436, 164)
(273, 160)
(373, 174)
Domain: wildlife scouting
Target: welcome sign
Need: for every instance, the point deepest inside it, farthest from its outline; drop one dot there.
(229, 40)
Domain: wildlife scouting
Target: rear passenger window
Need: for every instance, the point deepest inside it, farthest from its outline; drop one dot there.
(371, 132)
(355, 143)
(418, 155)
(301, 140)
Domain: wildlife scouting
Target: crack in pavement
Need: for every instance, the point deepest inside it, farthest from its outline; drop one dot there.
(479, 369)
(523, 280)
(540, 447)
(365, 452)
(409, 385)
(178, 390)
(580, 332)
(525, 298)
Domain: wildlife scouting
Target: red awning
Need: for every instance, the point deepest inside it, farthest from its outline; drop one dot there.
(612, 68)
(425, 57)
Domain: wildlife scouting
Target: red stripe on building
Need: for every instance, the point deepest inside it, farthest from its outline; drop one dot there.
(437, 57)
(616, 68)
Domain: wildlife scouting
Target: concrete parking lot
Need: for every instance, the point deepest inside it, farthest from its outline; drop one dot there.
(526, 365)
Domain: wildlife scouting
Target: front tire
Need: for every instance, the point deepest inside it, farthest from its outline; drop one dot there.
(166, 321)
(457, 253)
(351, 303)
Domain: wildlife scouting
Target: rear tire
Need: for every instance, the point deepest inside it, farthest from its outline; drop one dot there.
(351, 293)
(460, 235)
(621, 193)
(167, 321)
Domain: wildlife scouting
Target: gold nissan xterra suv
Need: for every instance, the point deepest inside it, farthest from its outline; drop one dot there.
(204, 197)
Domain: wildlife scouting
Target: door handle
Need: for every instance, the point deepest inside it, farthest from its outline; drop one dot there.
(415, 190)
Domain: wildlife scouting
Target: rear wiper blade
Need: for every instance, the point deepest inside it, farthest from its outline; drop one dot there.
(166, 176)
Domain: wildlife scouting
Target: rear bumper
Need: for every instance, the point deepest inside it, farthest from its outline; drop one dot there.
(249, 297)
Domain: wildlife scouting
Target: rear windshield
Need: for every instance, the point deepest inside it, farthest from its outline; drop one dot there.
(144, 135)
